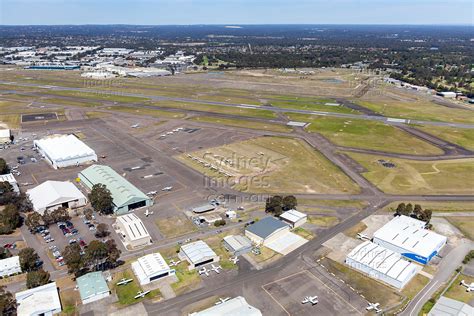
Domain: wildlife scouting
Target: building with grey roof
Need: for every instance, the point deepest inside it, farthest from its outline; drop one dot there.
(266, 230)
(449, 307)
(237, 306)
(197, 253)
(92, 287)
(237, 245)
(40, 300)
(126, 197)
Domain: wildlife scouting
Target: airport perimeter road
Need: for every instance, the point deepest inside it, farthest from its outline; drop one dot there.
(446, 268)
(386, 120)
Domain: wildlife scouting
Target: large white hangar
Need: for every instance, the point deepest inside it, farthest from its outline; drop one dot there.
(409, 237)
(151, 267)
(64, 150)
(382, 264)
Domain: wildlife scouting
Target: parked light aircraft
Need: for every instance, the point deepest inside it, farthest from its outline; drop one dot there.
(374, 307)
(469, 287)
(310, 299)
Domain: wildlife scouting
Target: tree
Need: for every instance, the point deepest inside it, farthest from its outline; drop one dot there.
(101, 199)
(96, 254)
(4, 169)
(425, 215)
(10, 219)
(4, 253)
(60, 215)
(72, 258)
(408, 209)
(47, 218)
(7, 302)
(28, 258)
(37, 278)
(113, 253)
(289, 202)
(102, 230)
(88, 213)
(22, 203)
(417, 210)
(33, 220)
(273, 205)
(400, 209)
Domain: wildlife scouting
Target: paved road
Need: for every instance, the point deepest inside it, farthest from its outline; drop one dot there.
(378, 118)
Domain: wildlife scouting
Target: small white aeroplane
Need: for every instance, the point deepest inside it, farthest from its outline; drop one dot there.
(167, 189)
(310, 299)
(216, 269)
(374, 307)
(234, 260)
(174, 263)
(152, 193)
(362, 236)
(222, 300)
(469, 287)
(148, 213)
(135, 126)
(203, 271)
(124, 281)
(141, 294)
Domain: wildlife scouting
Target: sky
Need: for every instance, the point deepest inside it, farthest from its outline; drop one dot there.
(166, 12)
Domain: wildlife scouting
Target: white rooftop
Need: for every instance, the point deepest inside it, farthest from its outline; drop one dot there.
(7, 178)
(63, 147)
(134, 226)
(152, 264)
(10, 263)
(4, 133)
(408, 233)
(293, 216)
(238, 242)
(52, 193)
(237, 306)
(382, 260)
(198, 251)
(296, 124)
(38, 300)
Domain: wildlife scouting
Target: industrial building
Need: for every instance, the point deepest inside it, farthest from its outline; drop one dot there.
(10, 179)
(5, 136)
(92, 287)
(126, 197)
(197, 253)
(203, 208)
(381, 264)
(10, 266)
(151, 267)
(266, 230)
(447, 306)
(64, 151)
(132, 231)
(237, 306)
(408, 237)
(294, 218)
(237, 245)
(41, 300)
(51, 195)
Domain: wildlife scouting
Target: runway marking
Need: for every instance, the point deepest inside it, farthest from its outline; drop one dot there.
(421, 298)
(34, 179)
(263, 287)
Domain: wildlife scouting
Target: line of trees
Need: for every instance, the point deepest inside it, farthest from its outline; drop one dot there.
(416, 212)
(278, 204)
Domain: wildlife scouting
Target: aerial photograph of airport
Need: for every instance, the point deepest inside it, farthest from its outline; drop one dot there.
(237, 157)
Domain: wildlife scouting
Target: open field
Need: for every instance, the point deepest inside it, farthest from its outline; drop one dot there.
(419, 177)
(354, 230)
(266, 255)
(175, 226)
(436, 206)
(264, 164)
(243, 123)
(316, 105)
(415, 285)
(365, 134)
(459, 136)
(333, 203)
(458, 292)
(97, 96)
(187, 280)
(323, 221)
(306, 234)
(464, 223)
(146, 112)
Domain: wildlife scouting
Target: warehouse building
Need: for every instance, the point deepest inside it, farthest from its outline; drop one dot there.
(237, 245)
(64, 151)
(197, 253)
(51, 195)
(5, 136)
(126, 197)
(266, 230)
(237, 306)
(294, 218)
(448, 307)
(92, 287)
(10, 179)
(408, 237)
(132, 231)
(381, 264)
(41, 300)
(151, 267)
(10, 266)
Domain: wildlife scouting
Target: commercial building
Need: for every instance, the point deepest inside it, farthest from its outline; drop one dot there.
(237, 306)
(10, 266)
(381, 264)
(408, 237)
(64, 151)
(151, 267)
(449, 307)
(203, 208)
(51, 195)
(92, 287)
(4, 136)
(266, 230)
(41, 300)
(10, 179)
(132, 231)
(126, 197)
(197, 253)
(446, 94)
(294, 218)
(237, 245)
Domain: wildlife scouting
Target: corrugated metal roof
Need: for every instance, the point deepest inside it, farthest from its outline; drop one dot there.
(38, 300)
(238, 242)
(50, 193)
(152, 264)
(265, 227)
(447, 306)
(134, 226)
(237, 306)
(64, 147)
(293, 216)
(198, 251)
(91, 284)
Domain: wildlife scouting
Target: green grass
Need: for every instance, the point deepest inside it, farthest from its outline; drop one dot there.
(365, 134)
(323, 221)
(126, 293)
(306, 234)
(419, 177)
(175, 226)
(243, 123)
(97, 96)
(68, 102)
(313, 106)
(461, 136)
(464, 223)
(415, 285)
(356, 229)
(458, 292)
(333, 203)
(436, 206)
(146, 112)
(427, 307)
(187, 280)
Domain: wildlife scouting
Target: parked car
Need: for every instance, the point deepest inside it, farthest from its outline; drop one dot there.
(91, 227)
(74, 231)
(59, 259)
(72, 241)
(69, 224)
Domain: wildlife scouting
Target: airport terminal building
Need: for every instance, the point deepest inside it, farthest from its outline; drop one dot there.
(126, 197)
(408, 237)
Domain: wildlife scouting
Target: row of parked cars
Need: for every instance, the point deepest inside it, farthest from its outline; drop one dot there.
(57, 255)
